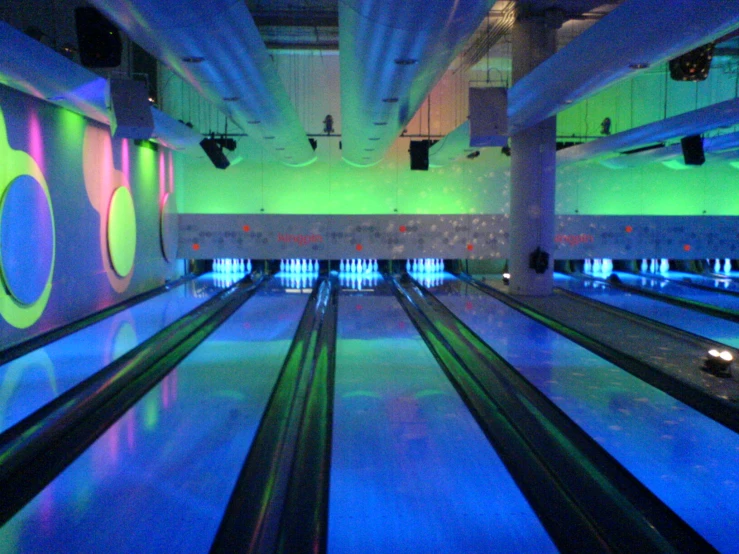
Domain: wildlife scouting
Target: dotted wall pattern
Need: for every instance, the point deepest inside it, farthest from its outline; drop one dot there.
(205, 236)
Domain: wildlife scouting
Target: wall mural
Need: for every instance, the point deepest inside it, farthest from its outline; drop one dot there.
(27, 235)
(109, 192)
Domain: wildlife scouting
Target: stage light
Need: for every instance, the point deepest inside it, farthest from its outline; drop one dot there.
(215, 152)
(718, 363)
(506, 278)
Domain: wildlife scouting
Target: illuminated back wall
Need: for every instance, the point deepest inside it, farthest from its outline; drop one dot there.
(479, 186)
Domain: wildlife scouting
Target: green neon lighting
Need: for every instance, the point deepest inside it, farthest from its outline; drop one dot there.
(17, 163)
(122, 231)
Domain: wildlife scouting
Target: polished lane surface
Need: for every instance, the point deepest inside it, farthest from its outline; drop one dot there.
(688, 460)
(714, 328)
(37, 378)
(159, 479)
(411, 470)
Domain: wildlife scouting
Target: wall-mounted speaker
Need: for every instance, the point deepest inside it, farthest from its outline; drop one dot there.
(129, 109)
(420, 154)
(211, 147)
(98, 40)
(693, 150)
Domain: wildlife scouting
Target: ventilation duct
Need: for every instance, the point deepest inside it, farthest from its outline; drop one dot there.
(392, 53)
(216, 47)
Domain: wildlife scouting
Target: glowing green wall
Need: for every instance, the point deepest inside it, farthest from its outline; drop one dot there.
(330, 186)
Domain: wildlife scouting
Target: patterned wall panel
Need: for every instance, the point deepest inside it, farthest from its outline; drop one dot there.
(450, 236)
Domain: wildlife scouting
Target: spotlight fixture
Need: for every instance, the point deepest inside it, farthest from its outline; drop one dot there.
(506, 150)
(718, 363)
(605, 126)
(313, 143)
(506, 278)
(215, 152)
(328, 124)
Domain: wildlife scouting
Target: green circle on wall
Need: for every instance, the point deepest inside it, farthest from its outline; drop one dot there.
(121, 231)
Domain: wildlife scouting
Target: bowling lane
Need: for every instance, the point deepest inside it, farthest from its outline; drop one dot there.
(31, 381)
(674, 288)
(718, 282)
(411, 471)
(159, 479)
(685, 458)
(714, 328)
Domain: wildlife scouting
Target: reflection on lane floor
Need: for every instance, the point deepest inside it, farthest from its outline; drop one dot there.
(714, 328)
(677, 452)
(35, 379)
(411, 470)
(159, 479)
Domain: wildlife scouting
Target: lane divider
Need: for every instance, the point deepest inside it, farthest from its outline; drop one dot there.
(586, 500)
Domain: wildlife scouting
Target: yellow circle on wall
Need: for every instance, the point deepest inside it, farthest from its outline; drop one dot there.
(122, 231)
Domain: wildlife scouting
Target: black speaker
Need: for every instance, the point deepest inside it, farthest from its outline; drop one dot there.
(693, 150)
(539, 260)
(216, 155)
(420, 154)
(98, 40)
(693, 65)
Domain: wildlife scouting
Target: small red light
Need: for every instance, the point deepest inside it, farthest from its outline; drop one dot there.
(196, 246)
(358, 247)
(247, 228)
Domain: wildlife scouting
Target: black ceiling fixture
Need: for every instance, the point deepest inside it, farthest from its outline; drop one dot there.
(693, 65)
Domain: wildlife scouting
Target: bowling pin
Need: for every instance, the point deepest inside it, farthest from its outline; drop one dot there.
(727, 266)
(717, 266)
(596, 266)
(644, 266)
(664, 266)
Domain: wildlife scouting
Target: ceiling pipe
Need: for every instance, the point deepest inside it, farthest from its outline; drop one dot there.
(696, 122)
(719, 147)
(35, 69)
(391, 56)
(216, 47)
(453, 146)
(636, 35)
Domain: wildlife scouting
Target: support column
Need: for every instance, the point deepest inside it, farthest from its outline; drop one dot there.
(533, 161)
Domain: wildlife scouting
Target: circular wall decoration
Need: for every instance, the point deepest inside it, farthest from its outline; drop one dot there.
(121, 231)
(27, 240)
(168, 229)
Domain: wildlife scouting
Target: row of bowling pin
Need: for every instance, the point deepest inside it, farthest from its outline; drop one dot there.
(231, 265)
(357, 281)
(225, 280)
(357, 266)
(655, 265)
(430, 280)
(294, 265)
(297, 280)
(598, 266)
(425, 265)
(717, 267)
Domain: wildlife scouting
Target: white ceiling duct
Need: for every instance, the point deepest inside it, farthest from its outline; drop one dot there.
(634, 36)
(33, 68)
(689, 123)
(216, 47)
(391, 55)
(721, 147)
(453, 146)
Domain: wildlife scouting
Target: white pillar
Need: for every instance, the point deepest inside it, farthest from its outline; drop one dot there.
(533, 152)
